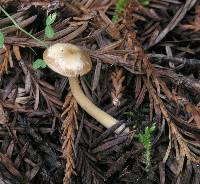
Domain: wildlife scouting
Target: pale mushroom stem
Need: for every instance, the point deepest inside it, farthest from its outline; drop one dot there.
(101, 116)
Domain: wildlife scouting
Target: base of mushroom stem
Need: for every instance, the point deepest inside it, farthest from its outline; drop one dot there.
(119, 129)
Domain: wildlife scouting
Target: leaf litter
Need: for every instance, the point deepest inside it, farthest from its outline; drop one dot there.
(146, 69)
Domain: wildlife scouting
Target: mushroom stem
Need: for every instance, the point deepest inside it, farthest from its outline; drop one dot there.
(101, 116)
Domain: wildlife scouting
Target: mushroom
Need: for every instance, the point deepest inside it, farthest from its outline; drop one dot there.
(70, 61)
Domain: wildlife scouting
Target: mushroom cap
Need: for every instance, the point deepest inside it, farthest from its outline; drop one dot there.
(67, 59)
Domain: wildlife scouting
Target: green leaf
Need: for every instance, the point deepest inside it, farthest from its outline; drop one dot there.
(49, 32)
(152, 128)
(130, 114)
(1, 40)
(39, 63)
(144, 2)
(51, 18)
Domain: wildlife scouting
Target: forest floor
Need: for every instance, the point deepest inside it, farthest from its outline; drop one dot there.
(145, 73)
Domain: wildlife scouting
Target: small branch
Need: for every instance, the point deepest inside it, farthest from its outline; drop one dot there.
(175, 59)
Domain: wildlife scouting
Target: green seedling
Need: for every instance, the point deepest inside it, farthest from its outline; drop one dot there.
(39, 63)
(129, 114)
(144, 2)
(145, 139)
(119, 8)
(49, 31)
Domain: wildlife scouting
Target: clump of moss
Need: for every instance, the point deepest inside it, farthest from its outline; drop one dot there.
(145, 139)
(119, 8)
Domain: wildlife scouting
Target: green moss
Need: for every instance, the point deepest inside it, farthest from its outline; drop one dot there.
(145, 139)
(119, 8)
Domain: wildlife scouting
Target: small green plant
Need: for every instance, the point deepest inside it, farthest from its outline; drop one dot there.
(49, 31)
(119, 8)
(129, 114)
(39, 63)
(145, 139)
(144, 2)
(1, 39)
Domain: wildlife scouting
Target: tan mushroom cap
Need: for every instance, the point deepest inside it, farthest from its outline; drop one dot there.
(67, 59)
